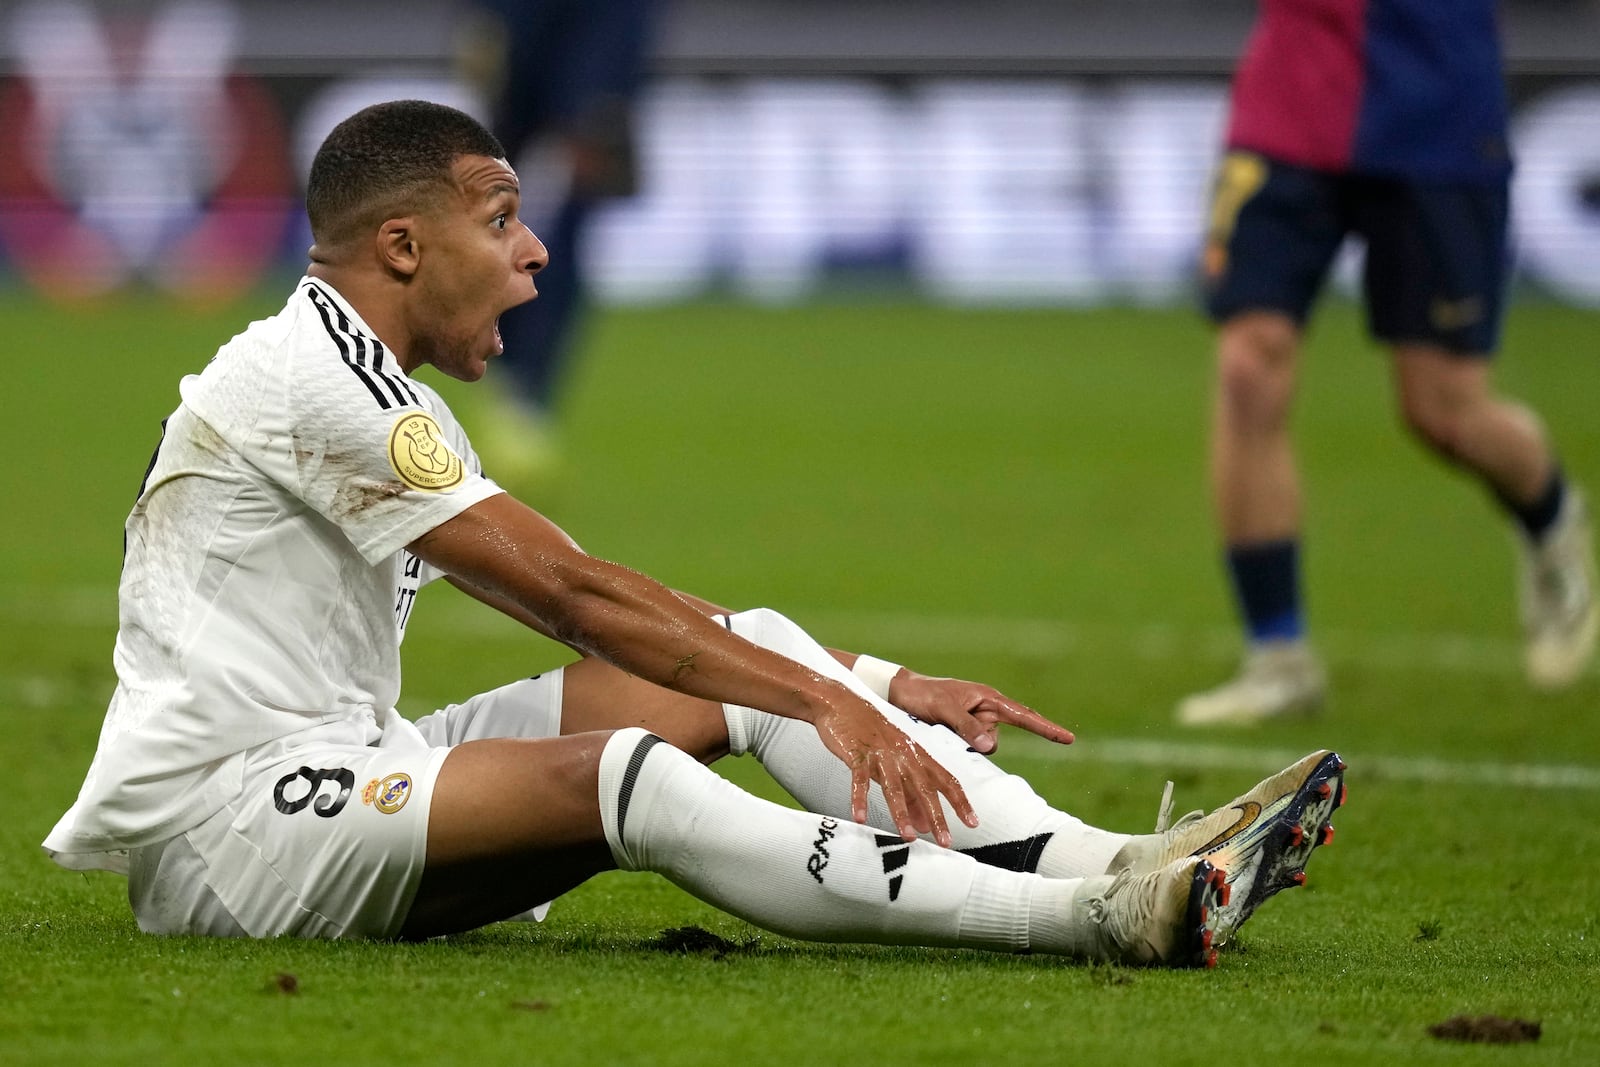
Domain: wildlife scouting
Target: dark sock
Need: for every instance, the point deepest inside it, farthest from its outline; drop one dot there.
(1538, 515)
(1266, 582)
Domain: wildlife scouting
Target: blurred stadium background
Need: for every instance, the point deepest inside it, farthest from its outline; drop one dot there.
(1015, 152)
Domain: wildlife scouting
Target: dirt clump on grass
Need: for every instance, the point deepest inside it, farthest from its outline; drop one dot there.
(1487, 1030)
(697, 941)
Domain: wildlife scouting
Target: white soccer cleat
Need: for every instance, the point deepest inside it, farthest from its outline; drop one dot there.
(1165, 917)
(1263, 840)
(1560, 616)
(1277, 678)
(517, 441)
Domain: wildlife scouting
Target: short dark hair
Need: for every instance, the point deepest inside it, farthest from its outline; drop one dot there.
(384, 160)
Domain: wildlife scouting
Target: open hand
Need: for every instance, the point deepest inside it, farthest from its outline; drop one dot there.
(911, 780)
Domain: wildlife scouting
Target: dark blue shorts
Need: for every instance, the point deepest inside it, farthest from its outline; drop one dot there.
(1436, 253)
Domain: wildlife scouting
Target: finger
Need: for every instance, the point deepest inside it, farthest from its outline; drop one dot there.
(922, 795)
(933, 811)
(1024, 717)
(951, 788)
(1043, 727)
(946, 784)
(894, 797)
(991, 729)
(860, 784)
(976, 732)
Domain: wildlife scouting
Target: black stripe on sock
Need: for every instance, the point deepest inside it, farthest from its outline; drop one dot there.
(1539, 514)
(1020, 856)
(630, 776)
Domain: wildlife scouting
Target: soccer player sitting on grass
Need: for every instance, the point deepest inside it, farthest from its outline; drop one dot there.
(253, 777)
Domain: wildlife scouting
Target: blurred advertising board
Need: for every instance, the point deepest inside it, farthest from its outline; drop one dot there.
(163, 145)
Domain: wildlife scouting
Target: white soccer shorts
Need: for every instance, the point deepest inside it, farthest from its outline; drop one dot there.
(325, 839)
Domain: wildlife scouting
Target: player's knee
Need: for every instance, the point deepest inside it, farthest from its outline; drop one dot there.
(760, 618)
(1255, 367)
(1271, 338)
(622, 762)
(769, 628)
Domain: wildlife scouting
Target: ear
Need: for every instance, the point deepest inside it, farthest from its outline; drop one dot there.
(397, 246)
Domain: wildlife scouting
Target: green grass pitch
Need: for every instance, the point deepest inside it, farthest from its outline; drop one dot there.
(1017, 496)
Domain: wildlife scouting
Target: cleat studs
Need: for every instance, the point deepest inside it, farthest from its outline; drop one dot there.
(1327, 834)
(1299, 878)
(1224, 894)
(1297, 836)
(1206, 937)
(1342, 794)
(1211, 959)
(1324, 790)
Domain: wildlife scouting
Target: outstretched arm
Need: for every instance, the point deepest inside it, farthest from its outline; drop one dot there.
(972, 710)
(512, 553)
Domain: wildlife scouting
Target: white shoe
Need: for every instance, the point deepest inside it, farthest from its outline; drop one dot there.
(1166, 916)
(1560, 616)
(516, 441)
(1277, 678)
(1263, 840)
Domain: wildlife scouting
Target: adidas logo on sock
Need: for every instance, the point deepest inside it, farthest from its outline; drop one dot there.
(895, 854)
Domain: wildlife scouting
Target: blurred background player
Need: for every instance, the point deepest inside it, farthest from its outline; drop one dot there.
(562, 78)
(1385, 119)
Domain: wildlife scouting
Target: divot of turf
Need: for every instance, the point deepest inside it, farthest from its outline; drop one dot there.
(531, 1005)
(1487, 1030)
(695, 940)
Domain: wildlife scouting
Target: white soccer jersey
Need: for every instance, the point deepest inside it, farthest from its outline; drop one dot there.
(265, 587)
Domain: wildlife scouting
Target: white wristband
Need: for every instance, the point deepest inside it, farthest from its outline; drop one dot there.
(875, 673)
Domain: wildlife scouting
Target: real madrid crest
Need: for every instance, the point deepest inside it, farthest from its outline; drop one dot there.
(419, 455)
(392, 793)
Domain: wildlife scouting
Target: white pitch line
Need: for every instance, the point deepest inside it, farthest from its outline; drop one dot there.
(1424, 770)
(1037, 639)
(1453, 653)
(933, 635)
(38, 692)
(1444, 653)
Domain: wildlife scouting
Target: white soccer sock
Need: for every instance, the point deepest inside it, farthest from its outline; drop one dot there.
(1016, 829)
(814, 876)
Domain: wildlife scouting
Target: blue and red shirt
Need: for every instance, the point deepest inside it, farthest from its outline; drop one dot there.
(1401, 88)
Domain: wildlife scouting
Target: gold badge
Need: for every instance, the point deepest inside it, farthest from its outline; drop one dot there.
(393, 792)
(1455, 314)
(368, 793)
(1239, 177)
(419, 455)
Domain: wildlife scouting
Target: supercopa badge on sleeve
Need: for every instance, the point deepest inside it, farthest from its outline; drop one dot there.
(420, 456)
